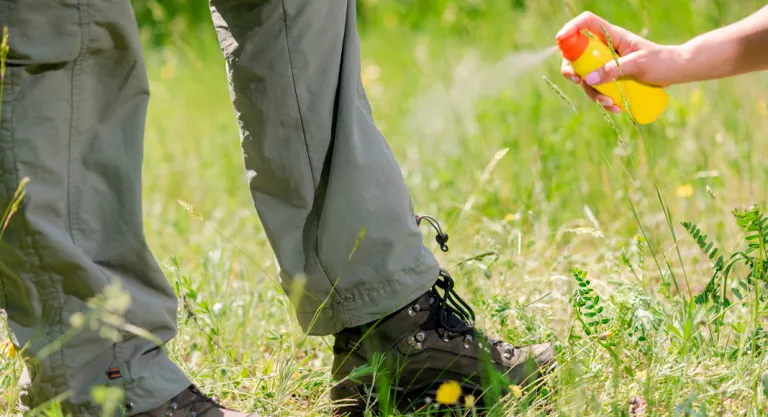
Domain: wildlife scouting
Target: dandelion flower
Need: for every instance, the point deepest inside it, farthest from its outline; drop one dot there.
(448, 393)
(511, 217)
(517, 392)
(469, 401)
(8, 349)
(685, 191)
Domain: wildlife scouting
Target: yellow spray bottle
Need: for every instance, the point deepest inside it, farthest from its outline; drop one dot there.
(646, 102)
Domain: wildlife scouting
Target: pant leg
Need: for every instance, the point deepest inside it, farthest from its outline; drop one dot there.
(73, 111)
(319, 170)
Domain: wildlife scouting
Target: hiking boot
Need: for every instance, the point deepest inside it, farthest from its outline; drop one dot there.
(193, 403)
(429, 342)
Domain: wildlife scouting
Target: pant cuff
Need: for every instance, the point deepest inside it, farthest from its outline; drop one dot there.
(161, 381)
(373, 302)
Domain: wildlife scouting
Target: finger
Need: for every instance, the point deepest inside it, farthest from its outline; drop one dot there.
(595, 95)
(623, 66)
(567, 70)
(598, 26)
(586, 20)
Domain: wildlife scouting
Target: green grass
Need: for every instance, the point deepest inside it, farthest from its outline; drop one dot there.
(572, 191)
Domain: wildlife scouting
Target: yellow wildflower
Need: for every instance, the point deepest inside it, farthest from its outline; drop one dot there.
(448, 393)
(469, 401)
(605, 335)
(517, 392)
(685, 191)
(8, 349)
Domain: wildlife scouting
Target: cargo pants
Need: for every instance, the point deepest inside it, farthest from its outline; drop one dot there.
(73, 108)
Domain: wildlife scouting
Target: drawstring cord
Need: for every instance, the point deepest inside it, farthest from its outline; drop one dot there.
(442, 237)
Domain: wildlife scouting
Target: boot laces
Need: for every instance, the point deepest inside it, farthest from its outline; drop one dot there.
(198, 405)
(450, 304)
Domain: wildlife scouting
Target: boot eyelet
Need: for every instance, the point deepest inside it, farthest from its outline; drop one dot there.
(411, 312)
(415, 341)
(467, 341)
(174, 405)
(128, 406)
(193, 414)
(416, 308)
(508, 352)
(168, 413)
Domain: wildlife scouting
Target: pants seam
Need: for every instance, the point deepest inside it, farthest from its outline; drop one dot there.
(73, 121)
(296, 93)
(315, 181)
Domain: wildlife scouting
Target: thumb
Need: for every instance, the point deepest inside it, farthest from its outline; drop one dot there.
(627, 65)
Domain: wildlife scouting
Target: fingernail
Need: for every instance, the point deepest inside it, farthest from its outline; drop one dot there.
(616, 109)
(593, 78)
(575, 79)
(605, 101)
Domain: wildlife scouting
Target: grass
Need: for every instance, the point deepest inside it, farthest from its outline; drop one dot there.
(514, 171)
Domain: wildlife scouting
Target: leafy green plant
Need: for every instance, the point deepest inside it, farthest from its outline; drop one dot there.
(711, 252)
(587, 308)
(754, 224)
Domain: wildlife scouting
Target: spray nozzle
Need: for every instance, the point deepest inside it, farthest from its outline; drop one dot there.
(573, 46)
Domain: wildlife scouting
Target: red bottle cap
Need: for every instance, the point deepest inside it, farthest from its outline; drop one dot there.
(573, 46)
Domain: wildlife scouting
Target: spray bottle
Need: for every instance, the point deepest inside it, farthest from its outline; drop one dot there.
(646, 102)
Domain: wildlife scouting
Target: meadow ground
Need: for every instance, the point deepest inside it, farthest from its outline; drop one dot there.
(529, 188)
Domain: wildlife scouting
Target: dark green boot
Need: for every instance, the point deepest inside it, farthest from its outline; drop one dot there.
(193, 403)
(429, 342)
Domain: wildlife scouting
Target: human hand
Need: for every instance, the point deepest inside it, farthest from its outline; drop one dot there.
(639, 58)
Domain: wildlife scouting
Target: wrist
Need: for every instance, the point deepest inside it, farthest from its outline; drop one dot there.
(704, 58)
(682, 57)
